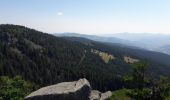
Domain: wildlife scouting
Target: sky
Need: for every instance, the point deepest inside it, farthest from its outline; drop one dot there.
(88, 16)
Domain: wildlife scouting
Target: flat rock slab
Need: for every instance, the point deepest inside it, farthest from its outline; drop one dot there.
(77, 90)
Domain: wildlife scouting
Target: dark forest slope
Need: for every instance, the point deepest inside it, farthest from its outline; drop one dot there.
(46, 59)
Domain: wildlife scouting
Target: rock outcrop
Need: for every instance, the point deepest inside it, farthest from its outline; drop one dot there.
(97, 95)
(106, 95)
(77, 90)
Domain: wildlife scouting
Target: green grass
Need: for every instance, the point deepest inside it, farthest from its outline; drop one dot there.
(120, 95)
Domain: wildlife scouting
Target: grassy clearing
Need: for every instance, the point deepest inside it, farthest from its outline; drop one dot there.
(105, 56)
(120, 95)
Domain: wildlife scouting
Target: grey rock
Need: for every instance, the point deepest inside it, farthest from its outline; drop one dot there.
(97, 95)
(77, 90)
(106, 95)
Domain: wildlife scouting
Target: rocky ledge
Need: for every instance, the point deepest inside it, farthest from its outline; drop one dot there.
(77, 90)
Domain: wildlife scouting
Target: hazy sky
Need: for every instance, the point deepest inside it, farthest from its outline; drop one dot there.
(88, 16)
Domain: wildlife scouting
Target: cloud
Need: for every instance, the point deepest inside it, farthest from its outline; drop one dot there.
(60, 13)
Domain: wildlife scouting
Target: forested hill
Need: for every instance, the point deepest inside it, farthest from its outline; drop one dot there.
(122, 49)
(45, 59)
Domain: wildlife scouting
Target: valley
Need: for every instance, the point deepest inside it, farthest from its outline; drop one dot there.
(45, 59)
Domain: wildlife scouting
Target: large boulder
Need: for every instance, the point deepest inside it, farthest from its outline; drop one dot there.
(97, 95)
(106, 95)
(77, 90)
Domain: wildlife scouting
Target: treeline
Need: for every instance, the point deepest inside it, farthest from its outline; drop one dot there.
(45, 59)
(143, 86)
(15, 88)
(139, 86)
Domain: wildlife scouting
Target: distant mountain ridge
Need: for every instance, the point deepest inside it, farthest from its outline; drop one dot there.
(153, 42)
(99, 38)
(165, 49)
(93, 37)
